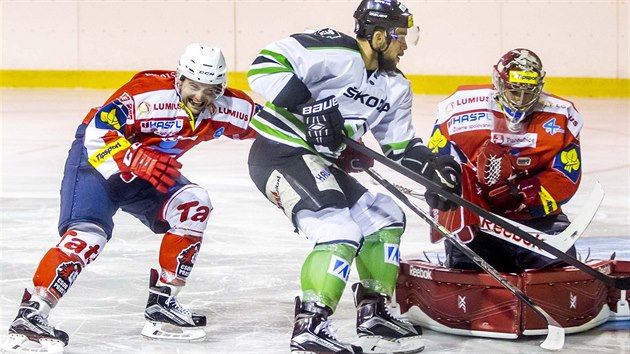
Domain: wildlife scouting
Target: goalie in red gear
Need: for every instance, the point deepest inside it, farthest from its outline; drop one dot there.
(125, 156)
(522, 150)
(519, 149)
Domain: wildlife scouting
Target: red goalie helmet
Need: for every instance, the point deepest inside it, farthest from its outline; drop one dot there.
(518, 80)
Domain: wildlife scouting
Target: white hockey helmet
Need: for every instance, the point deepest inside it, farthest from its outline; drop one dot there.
(203, 64)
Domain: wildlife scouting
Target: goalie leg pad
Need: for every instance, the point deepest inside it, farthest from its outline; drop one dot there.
(177, 257)
(459, 301)
(62, 264)
(575, 299)
(187, 211)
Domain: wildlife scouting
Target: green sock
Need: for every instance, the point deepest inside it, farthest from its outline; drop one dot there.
(378, 261)
(325, 273)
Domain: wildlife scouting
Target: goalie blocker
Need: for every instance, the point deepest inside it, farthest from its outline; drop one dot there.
(466, 302)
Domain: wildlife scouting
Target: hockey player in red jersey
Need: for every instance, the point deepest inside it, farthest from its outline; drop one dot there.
(520, 151)
(125, 156)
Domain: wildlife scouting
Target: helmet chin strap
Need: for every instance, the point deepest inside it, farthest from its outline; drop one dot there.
(379, 53)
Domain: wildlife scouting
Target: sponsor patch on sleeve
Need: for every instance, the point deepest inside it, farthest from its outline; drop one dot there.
(108, 151)
(548, 203)
(438, 142)
(568, 161)
(112, 115)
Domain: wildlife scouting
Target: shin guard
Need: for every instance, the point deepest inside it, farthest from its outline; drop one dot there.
(177, 257)
(62, 264)
(378, 261)
(55, 274)
(325, 273)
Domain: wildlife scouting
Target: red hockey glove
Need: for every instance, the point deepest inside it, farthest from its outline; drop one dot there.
(494, 164)
(511, 196)
(158, 168)
(353, 161)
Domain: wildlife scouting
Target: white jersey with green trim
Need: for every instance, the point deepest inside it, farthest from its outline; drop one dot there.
(329, 63)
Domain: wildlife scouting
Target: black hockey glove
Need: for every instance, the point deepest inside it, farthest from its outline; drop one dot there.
(441, 169)
(324, 124)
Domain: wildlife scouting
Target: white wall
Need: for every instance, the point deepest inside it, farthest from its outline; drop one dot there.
(574, 38)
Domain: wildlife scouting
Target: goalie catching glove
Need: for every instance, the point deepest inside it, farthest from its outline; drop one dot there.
(324, 124)
(497, 177)
(441, 169)
(151, 165)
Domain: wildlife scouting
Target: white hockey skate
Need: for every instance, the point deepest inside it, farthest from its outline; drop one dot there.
(379, 330)
(30, 332)
(167, 319)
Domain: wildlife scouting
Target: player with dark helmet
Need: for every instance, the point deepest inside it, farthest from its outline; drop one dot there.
(320, 87)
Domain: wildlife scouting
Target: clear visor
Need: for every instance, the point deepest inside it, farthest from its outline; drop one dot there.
(410, 38)
(413, 35)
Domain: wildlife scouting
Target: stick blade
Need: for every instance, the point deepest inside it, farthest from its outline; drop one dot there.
(555, 338)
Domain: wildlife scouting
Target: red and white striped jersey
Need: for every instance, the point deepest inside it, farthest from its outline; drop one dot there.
(148, 110)
(547, 148)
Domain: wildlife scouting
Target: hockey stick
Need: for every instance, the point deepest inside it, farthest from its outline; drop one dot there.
(555, 334)
(622, 283)
(561, 241)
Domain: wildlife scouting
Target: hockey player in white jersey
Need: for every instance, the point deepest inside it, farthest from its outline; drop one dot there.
(319, 87)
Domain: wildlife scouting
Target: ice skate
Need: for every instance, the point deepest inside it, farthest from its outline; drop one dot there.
(30, 332)
(313, 334)
(167, 318)
(379, 331)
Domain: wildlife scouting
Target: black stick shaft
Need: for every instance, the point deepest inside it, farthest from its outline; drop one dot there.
(462, 247)
(617, 282)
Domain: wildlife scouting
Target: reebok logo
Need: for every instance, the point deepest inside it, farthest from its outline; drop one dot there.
(422, 273)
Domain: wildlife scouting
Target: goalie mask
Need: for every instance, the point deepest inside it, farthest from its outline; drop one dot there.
(518, 80)
(204, 64)
(383, 14)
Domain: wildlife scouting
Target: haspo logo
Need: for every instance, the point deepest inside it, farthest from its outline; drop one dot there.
(371, 101)
(471, 117)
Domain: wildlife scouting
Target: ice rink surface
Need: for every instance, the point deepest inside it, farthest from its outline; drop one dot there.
(247, 273)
